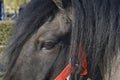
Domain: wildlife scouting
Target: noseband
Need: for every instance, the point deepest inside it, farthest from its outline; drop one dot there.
(76, 68)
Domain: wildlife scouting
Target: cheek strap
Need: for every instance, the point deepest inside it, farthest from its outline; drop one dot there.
(69, 68)
(65, 73)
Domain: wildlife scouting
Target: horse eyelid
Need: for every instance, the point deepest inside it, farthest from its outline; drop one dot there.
(42, 45)
(47, 45)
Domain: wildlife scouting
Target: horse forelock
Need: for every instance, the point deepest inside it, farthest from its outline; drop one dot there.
(32, 17)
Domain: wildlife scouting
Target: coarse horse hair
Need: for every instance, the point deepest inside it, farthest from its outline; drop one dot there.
(26, 25)
(95, 25)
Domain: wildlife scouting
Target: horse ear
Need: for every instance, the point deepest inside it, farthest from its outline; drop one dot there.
(59, 4)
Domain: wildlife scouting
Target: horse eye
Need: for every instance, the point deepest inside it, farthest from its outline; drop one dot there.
(48, 45)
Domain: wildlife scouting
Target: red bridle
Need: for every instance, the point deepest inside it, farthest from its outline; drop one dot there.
(69, 68)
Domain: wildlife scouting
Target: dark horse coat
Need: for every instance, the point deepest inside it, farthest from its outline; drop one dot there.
(47, 34)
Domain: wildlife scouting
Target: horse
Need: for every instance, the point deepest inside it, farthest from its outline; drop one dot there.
(53, 37)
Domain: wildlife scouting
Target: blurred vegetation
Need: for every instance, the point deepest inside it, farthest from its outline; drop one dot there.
(1, 49)
(14, 4)
(5, 29)
(1, 75)
(12, 7)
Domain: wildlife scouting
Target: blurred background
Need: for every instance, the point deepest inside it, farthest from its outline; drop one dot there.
(9, 10)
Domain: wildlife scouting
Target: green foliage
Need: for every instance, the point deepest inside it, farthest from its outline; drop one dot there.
(5, 29)
(13, 4)
(1, 49)
(1, 75)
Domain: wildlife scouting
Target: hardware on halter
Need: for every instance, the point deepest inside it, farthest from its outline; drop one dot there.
(80, 68)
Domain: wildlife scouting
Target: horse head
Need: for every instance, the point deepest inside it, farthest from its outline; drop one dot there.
(77, 37)
(42, 50)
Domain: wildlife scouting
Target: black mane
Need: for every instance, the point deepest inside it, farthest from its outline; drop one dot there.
(96, 24)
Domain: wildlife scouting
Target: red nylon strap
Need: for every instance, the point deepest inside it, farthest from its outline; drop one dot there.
(69, 68)
(65, 73)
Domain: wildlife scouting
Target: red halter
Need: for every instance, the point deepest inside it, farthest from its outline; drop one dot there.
(69, 68)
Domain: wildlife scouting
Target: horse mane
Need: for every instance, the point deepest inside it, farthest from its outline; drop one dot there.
(96, 24)
(29, 20)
